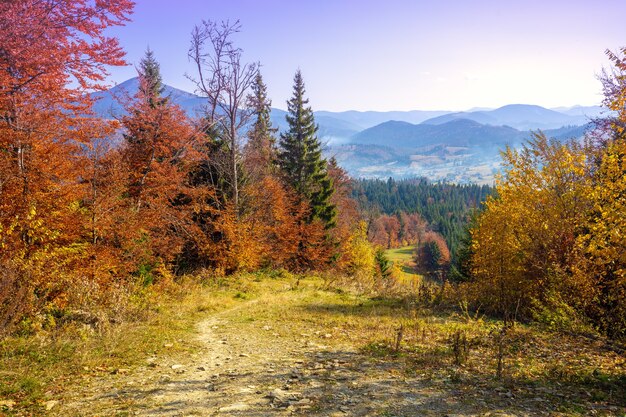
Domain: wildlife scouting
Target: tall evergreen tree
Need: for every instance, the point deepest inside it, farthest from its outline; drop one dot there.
(260, 150)
(301, 160)
(150, 90)
(151, 82)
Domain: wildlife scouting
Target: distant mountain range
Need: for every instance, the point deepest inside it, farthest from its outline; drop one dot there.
(456, 132)
(523, 117)
(441, 145)
(460, 150)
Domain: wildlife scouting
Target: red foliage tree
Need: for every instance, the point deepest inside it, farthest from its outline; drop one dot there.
(157, 156)
(413, 228)
(385, 231)
(52, 53)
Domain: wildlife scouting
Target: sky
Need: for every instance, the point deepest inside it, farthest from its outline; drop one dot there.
(397, 54)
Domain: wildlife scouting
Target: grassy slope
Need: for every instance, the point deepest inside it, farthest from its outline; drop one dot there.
(543, 371)
(34, 369)
(402, 259)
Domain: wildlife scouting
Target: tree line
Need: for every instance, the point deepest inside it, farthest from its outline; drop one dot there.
(86, 221)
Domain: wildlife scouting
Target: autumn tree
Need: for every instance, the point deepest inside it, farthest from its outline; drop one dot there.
(348, 220)
(603, 241)
(412, 228)
(105, 177)
(550, 245)
(361, 256)
(52, 53)
(385, 231)
(499, 285)
(158, 154)
(524, 242)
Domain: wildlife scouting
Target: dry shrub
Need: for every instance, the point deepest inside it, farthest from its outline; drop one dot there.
(16, 297)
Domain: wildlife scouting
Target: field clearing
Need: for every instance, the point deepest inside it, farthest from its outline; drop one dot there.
(404, 264)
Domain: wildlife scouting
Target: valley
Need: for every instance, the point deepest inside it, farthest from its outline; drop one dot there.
(459, 147)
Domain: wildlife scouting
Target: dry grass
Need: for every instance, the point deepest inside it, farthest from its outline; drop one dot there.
(36, 367)
(541, 369)
(451, 351)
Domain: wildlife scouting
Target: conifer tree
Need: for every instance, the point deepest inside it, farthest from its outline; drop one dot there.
(260, 150)
(301, 158)
(151, 84)
(140, 141)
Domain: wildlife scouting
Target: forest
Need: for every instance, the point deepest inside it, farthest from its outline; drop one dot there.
(84, 219)
(446, 207)
(102, 219)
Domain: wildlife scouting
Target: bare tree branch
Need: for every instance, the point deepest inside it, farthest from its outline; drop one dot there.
(225, 81)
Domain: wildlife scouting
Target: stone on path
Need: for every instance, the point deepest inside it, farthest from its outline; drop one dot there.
(234, 407)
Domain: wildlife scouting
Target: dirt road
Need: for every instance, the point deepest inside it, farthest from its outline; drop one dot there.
(284, 354)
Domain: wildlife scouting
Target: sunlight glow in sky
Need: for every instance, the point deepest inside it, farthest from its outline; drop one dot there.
(398, 54)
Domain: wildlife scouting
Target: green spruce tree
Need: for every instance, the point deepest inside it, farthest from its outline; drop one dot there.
(150, 80)
(260, 150)
(301, 160)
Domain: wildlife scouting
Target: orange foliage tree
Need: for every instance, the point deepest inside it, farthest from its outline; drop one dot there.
(402, 229)
(384, 231)
(157, 156)
(52, 52)
(348, 227)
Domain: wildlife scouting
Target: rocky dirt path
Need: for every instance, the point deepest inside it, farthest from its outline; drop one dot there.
(254, 368)
(258, 360)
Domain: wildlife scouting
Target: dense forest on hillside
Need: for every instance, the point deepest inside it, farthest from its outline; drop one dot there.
(446, 207)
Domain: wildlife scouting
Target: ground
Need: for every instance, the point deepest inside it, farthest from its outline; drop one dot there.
(296, 349)
(288, 350)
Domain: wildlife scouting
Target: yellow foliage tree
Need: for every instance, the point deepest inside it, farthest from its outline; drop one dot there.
(605, 242)
(361, 254)
(524, 243)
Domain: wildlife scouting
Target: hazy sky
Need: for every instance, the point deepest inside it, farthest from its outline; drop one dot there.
(398, 54)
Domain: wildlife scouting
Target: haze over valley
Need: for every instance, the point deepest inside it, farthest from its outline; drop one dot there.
(460, 147)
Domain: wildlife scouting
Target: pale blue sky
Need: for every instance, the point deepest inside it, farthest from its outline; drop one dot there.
(399, 54)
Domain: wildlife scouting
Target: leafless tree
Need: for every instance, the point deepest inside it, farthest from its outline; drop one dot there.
(224, 80)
